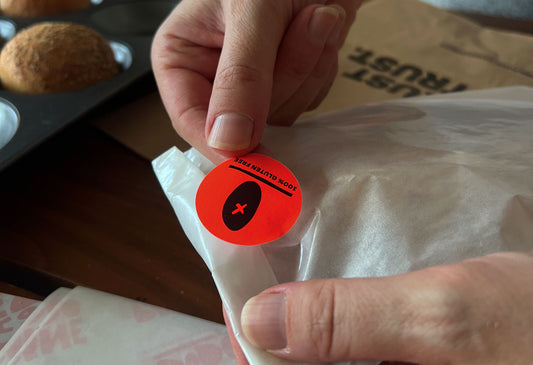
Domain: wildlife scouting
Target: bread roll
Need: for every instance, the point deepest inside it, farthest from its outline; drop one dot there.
(54, 57)
(32, 8)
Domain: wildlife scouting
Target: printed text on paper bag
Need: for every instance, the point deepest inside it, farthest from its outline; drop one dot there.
(395, 77)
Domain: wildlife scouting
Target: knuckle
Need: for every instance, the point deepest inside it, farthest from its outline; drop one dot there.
(449, 319)
(186, 121)
(323, 317)
(234, 76)
(300, 71)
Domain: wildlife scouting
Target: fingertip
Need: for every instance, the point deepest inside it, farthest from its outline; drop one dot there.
(326, 24)
(231, 132)
(334, 38)
(263, 321)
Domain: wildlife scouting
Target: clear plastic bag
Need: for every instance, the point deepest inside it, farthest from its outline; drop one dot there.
(387, 188)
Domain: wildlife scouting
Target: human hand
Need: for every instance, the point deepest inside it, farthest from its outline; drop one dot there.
(479, 311)
(225, 68)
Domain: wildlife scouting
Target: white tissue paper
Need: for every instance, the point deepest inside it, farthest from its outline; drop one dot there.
(387, 188)
(14, 311)
(84, 326)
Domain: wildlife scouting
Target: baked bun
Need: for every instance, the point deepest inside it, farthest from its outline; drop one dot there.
(55, 57)
(32, 8)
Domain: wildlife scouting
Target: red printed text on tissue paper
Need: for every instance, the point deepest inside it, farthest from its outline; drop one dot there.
(4, 323)
(60, 332)
(14, 309)
(13, 312)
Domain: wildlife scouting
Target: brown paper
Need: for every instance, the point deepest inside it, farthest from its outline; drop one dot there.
(395, 49)
(408, 48)
(143, 126)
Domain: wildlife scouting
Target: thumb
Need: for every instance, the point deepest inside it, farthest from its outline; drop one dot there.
(242, 88)
(397, 318)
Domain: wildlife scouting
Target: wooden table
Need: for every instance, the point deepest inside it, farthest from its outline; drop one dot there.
(81, 209)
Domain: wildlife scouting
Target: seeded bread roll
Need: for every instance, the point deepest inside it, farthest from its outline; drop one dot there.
(55, 57)
(32, 8)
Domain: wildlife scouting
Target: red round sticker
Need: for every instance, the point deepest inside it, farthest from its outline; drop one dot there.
(249, 200)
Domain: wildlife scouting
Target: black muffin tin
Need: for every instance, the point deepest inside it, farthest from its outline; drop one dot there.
(128, 25)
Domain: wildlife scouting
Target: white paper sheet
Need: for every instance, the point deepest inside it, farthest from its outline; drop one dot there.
(85, 326)
(387, 188)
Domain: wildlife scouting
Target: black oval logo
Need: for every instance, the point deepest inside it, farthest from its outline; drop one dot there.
(241, 205)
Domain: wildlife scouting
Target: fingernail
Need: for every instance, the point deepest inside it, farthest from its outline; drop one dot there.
(263, 321)
(334, 35)
(231, 132)
(323, 22)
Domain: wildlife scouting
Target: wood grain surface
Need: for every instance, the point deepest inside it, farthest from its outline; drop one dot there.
(83, 210)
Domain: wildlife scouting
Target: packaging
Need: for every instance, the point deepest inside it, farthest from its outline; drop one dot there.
(14, 311)
(387, 188)
(407, 48)
(85, 326)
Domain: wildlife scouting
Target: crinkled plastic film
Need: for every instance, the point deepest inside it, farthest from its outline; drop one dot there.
(387, 188)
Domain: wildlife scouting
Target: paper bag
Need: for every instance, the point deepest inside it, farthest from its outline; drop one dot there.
(407, 48)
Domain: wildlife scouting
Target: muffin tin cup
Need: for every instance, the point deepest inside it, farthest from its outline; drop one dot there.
(26, 120)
